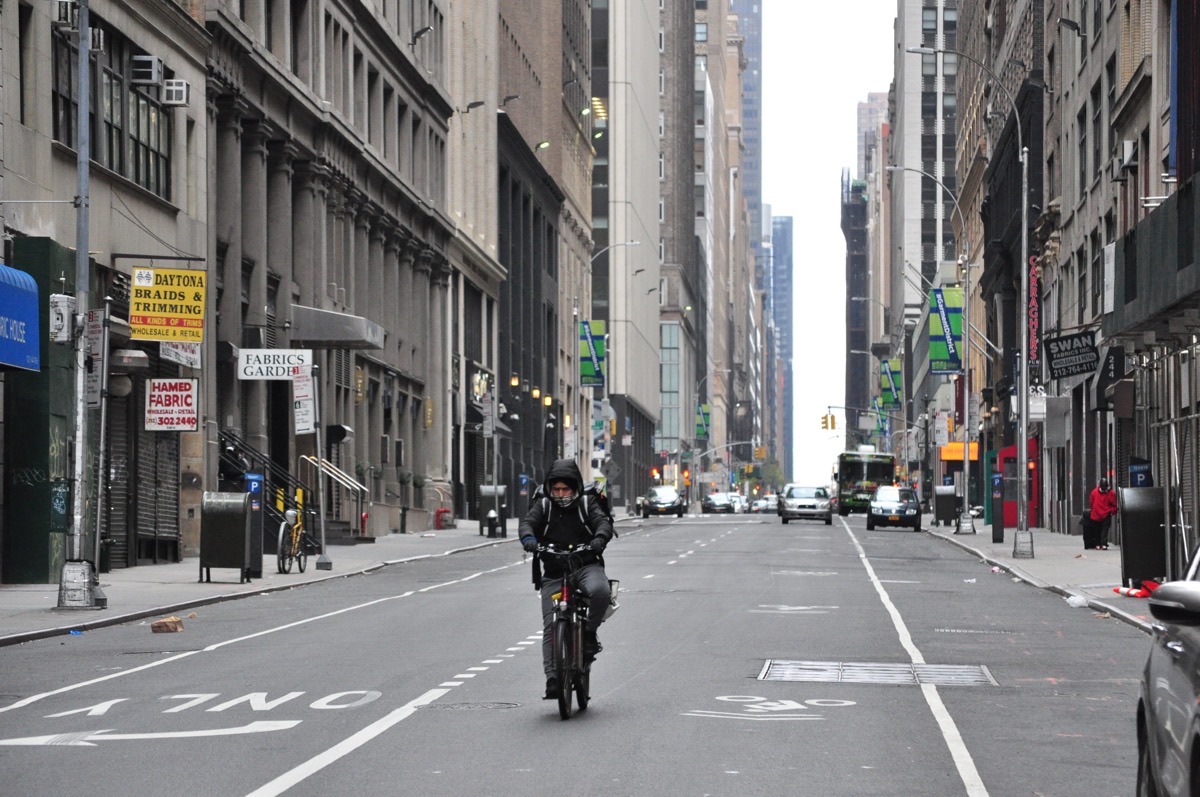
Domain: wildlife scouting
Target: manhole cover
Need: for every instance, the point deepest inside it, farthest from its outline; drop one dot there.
(470, 706)
(876, 673)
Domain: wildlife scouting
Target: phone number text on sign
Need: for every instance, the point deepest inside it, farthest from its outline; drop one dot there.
(172, 405)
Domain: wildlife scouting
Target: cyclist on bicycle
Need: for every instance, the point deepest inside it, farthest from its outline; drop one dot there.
(567, 518)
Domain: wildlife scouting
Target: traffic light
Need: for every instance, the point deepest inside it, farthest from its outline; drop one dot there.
(824, 421)
(832, 421)
(687, 477)
(654, 474)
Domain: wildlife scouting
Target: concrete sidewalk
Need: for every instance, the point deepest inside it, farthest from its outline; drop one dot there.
(29, 611)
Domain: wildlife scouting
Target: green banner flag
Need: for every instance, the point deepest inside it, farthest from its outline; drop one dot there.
(703, 419)
(891, 384)
(591, 353)
(945, 330)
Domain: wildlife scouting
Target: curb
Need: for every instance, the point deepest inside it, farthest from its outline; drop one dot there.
(1093, 603)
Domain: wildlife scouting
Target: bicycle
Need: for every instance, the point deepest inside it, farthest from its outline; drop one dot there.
(294, 543)
(566, 631)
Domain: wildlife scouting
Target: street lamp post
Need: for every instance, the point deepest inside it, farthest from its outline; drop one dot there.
(608, 349)
(966, 524)
(1023, 540)
(699, 407)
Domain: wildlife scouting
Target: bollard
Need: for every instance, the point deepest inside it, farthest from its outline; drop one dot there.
(404, 520)
(492, 522)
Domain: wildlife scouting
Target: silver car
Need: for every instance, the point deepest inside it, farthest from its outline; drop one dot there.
(797, 502)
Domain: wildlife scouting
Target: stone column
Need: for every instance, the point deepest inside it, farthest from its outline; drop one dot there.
(281, 226)
(439, 375)
(254, 243)
(334, 256)
(228, 253)
(408, 330)
(393, 245)
(377, 235)
(308, 233)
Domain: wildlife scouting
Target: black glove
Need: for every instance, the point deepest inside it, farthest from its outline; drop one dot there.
(598, 544)
(529, 544)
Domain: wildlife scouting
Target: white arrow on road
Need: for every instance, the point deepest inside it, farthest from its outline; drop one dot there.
(89, 738)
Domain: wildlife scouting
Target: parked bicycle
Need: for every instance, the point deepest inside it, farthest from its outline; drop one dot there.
(571, 667)
(294, 543)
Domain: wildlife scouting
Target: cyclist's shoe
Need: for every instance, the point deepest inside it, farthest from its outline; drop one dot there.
(551, 689)
(591, 645)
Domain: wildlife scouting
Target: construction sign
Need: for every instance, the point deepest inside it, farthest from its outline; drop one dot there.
(167, 304)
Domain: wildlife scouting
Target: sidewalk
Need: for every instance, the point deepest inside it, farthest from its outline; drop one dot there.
(29, 611)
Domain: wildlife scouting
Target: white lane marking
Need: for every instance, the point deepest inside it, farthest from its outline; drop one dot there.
(218, 645)
(649, 576)
(954, 741)
(673, 561)
(348, 745)
(89, 738)
(493, 661)
(451, 683)
(477, 669)
(466, 675)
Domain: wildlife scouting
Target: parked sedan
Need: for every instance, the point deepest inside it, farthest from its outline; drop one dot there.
(717, 502)
(805, 503)
(1168, 712)
(894, 506)
(663, 499)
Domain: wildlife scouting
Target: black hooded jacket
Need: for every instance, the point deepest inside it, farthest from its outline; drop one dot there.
(549, 523)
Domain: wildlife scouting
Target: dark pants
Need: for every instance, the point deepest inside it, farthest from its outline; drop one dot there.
(592, 581)
(1095, 532)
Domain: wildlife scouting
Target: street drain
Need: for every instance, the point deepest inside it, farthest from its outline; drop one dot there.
(470, 706)
(876, 673)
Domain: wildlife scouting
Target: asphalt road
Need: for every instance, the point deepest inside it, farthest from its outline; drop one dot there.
(748, 658)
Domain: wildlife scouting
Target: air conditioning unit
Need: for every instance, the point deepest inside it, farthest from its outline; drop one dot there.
(146, 70)
(66, 14)
(1128, 154)
(176, 92)
(1115, 172)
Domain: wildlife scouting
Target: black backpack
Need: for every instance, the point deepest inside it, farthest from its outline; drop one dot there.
(591, 492)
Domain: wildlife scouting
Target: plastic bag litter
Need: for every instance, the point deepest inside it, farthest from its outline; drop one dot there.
(1077, 601)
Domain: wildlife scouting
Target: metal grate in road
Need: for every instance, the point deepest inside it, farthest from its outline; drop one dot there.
(876, 673)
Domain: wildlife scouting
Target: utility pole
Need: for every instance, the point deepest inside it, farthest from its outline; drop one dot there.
(77, 586)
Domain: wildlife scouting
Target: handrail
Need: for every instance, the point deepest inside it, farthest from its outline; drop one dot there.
(336, 473)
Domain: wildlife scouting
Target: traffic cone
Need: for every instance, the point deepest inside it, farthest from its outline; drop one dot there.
(1131, 592)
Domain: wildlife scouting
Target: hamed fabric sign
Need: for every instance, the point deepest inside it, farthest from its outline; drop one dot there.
(172, 405)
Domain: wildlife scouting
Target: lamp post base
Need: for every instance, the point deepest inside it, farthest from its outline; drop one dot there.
(324, 562)
(966, 524)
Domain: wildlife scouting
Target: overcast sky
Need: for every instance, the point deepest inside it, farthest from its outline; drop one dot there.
(819, 61)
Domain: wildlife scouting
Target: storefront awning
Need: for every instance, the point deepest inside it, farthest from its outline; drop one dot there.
(325, 329)
(20, 332)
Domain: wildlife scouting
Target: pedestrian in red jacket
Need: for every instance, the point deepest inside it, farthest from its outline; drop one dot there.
(1103, 507)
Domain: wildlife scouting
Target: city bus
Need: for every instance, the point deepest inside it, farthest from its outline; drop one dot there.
(858, 474)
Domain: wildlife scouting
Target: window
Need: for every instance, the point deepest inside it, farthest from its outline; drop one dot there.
(701, 31)
(1097, 130)
(1097, 271)
(1081, 153)
(131, 129)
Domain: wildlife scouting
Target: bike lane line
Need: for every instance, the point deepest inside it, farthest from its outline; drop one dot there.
(218, 645)
(963, 761)
(348, 745)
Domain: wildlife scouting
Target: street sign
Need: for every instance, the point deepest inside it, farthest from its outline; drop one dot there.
(489, 415)
(303, 404)
(167, 304)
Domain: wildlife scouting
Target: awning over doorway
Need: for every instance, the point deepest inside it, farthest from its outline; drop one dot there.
(325, 329)
(20, 332)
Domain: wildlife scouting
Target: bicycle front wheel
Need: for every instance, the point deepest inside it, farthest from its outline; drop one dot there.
(283, 557)
(301, 552)
(563, 652)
